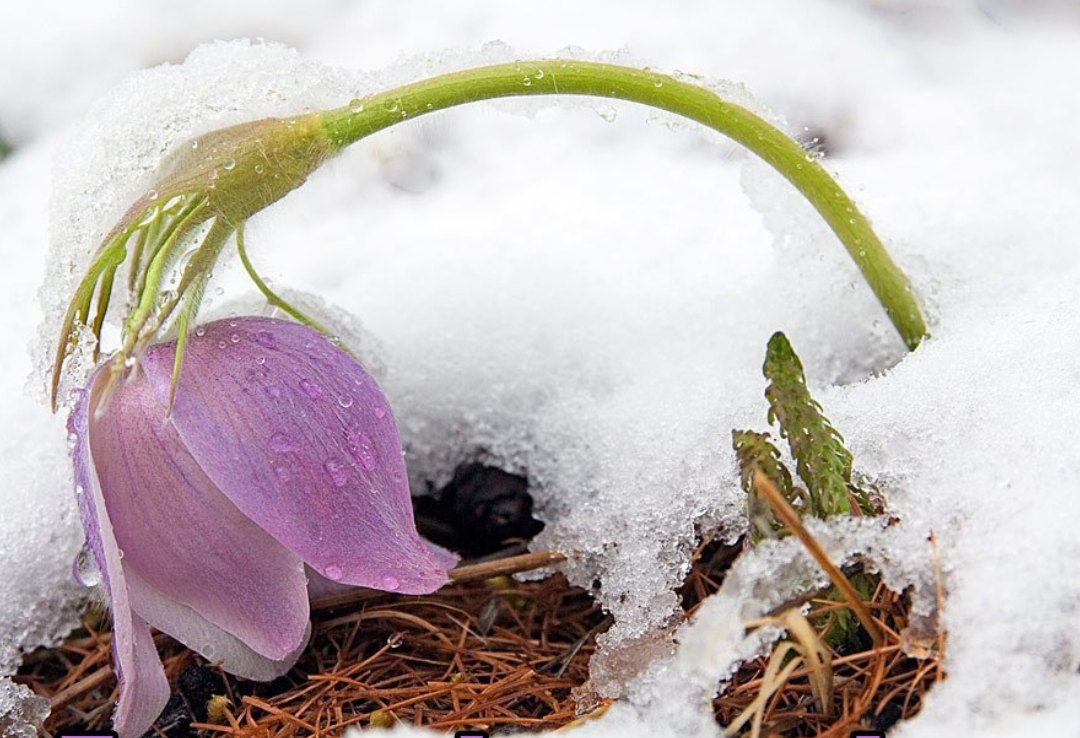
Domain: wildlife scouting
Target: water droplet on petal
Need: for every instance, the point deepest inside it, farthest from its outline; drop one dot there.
(282, 442)
(356, 106)
(221, 344)
(200, 331)
(336, 471)
(260, 360)
(85, 570)
(392, 105)
(311, 389)
(235, 338)
(362, 447)
(229, 164)
(380, 412)
(345, 401)
(389, 583)
(333, 572)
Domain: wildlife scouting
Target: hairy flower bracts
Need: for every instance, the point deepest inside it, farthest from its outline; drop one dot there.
(172, 236)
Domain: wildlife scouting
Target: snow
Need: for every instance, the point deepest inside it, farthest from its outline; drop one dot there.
(589, 300)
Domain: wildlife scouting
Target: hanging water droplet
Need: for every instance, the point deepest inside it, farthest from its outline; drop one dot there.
(282, 442)
(229, 164)
(390, 583)
(333, 572)
(356, 105)
(362, 447)
(335, 469)
(85, 569)
(311, 389)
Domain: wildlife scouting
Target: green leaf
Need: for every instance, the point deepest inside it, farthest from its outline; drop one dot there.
(821, 460)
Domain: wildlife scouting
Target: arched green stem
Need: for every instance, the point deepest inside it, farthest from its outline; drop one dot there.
(361, 118)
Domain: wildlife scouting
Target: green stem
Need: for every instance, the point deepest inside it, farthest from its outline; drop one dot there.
(362, 118)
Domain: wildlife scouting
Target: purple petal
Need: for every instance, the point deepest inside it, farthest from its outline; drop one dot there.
(300, 438)
(199, 634)
(140, 676)
(184, 538)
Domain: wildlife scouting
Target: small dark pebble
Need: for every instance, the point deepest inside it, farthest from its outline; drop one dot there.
(479, 511)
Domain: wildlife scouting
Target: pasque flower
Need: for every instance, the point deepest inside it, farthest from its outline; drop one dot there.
(278, 462)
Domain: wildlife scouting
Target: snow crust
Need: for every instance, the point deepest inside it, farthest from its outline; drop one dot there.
(583, 292)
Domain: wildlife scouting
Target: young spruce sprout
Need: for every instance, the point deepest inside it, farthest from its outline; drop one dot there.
(208, 189)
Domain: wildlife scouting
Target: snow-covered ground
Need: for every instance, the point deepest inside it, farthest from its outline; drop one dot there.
(584, 290)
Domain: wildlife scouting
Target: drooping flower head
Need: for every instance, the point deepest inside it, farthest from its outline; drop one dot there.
(280, 457)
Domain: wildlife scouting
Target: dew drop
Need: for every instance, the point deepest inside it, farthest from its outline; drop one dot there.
(345, 401)
(658, 83)
(390, 583)
(538, 74)
(85, 570)
(235, 338)
(282, 442)
(356, 105)
(362, 447)
(265, 339)
(229, 164)
(380, 412)
(392, 105)
(259, 169)
(260, 360)
(233, 324)
(200, 331)
(336, 471)
(221, 344)
(333, 572)
(311, 389)
(152, 195)
(526, 81)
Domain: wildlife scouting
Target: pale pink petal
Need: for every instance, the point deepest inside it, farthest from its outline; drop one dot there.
(186, 539)
(299, 437)
(199, 634)
(141, 679)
